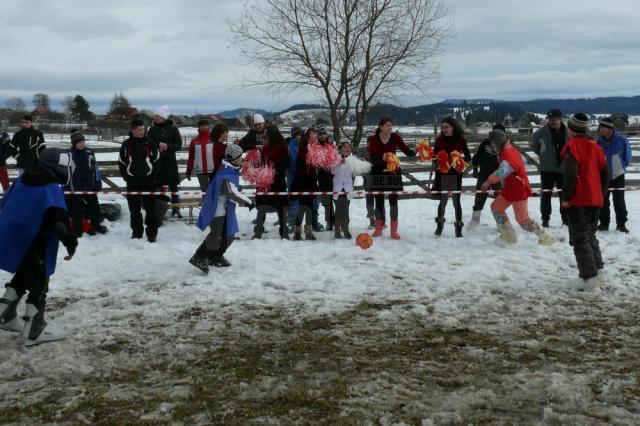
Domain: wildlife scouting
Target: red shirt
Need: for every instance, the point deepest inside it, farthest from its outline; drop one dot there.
(516, 185)
(591, 161)
(376, 148)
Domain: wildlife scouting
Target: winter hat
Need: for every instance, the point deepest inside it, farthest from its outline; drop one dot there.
(203, 122)
(499, 126)
(163, 112)
(76, 137)
(257, 119)
(607, 122)
(499, 138)
(57, 163)
(321, 130)
(579, 123)
(554, 113)
(295, 130)
(232, 152)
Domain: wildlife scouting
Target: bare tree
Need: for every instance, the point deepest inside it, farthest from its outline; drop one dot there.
(15, 104)
(349, 52)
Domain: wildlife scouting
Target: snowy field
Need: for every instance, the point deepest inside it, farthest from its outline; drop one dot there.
(424, 330)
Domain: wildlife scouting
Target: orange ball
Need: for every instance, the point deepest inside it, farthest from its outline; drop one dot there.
(364, 241)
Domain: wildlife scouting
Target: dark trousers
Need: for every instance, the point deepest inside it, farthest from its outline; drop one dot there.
(393, 207)
(305, 209)
(444, 199)
(481, 197)
(175, 198)
(78, 205)
(619, 205)
(217, 242)
(583, 224)
(371, 203)
(136, 203)
(549, 180)
(31, 277)
(271, 204)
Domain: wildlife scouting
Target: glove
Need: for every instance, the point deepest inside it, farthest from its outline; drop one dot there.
(252, 206)
(411, 153)
(475, 173)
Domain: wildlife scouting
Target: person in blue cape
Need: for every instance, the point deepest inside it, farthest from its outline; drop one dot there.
(219, 212)
(33, 220)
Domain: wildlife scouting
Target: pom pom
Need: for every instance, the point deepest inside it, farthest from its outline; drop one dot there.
(457, 162)
(322, 156)
(393, 162)
(261, 176)
(425, 152)
(358, 167)
(254, 157)
(443, 161)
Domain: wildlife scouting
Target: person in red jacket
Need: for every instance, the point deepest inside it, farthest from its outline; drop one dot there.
(515, 192)
(586, 180)
(382, 178)
(451, 139)
(200, 155)
(276, 153)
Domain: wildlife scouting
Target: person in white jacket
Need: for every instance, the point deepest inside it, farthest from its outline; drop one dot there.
(343, 175)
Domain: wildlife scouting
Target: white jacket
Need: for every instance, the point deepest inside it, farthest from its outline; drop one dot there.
(342, 179)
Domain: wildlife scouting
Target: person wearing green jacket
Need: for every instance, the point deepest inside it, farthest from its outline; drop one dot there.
(547, 143)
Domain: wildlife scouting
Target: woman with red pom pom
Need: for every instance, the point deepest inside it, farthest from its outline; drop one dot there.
(274, 154)
(385, 173)
(305, 180)
(449, 175)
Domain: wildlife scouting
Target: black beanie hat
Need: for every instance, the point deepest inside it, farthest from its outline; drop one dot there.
(203, 122)
(76, 137)
(499, 126)
(579, 123)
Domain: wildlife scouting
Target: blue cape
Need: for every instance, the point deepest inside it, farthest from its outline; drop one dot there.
(23, 210)
(210, 203)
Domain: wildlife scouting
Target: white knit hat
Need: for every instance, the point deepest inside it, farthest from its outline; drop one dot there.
(257, 119)
(163, 112)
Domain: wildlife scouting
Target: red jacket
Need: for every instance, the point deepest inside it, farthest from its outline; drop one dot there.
(591, 161)
(516, 185)
(200, 158)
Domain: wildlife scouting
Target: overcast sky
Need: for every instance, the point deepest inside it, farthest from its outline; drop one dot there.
(180, 53)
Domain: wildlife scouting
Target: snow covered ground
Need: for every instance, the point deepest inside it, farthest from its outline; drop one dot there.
(424, 330)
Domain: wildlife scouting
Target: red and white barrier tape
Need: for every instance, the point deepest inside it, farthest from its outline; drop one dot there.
(314, 193)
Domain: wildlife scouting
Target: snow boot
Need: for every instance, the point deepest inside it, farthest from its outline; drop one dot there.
(345, 231)
(475, 220)
(458, 227)
(175, 212)
(603, 227)
(439, 225)
(394, 230)
(622, 228)
(589, 284)
(379, 224)
(545, 223)
(220, 262)
(297, 236)
(545, 237)
(308, 234)
(372, 222)
(9, 319)
(507, 233)
(200, 259)
(36, 330)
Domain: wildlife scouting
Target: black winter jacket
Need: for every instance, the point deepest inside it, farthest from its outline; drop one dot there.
(485, 159)
(168, 133)
(139, 160)
(26, 146)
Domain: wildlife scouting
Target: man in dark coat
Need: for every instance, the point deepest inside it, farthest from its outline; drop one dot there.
(166, 136)
(27, 144)
(253, 138)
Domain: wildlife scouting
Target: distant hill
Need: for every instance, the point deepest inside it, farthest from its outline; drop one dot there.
(241, 112)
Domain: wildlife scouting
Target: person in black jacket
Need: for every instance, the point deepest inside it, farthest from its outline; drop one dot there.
(85, 178)
(253, 138)
(139, 164)
(484, 162)
(27, 144)
(33, 220)
(166, 136)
